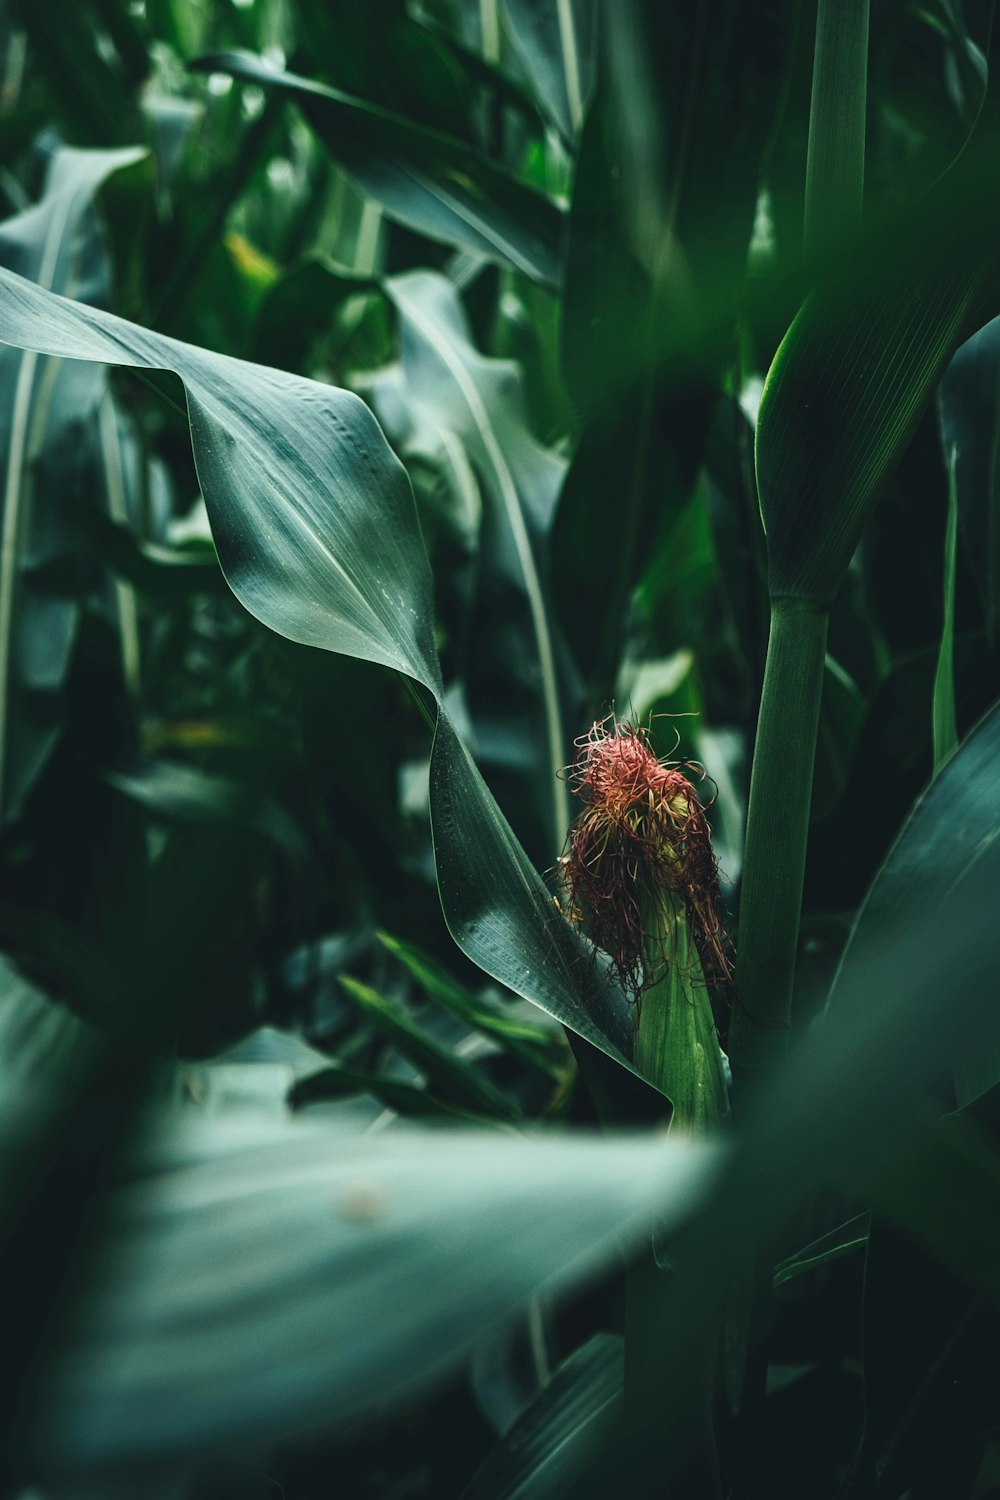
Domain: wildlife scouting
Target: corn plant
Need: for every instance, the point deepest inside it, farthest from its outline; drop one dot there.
(498, 724)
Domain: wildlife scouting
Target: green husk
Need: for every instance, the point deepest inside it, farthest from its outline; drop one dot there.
(676, 1044)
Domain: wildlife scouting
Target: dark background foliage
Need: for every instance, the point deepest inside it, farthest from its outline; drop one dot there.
(216, 842)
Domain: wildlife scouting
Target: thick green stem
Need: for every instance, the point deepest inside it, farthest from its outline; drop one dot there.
(777, 830)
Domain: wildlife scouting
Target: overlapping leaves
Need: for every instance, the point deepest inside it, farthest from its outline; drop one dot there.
(429, 181)
(47, 415)
(318, 537)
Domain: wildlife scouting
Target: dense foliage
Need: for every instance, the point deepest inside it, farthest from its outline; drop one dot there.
(389, 393)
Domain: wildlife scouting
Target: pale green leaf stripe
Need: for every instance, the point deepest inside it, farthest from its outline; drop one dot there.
(969, 402)
(47, 228)
(553, 40)
(554, 1440)
(434, 183)
(532, 1041)
(318, 537)
(788, 1272)
(499, 911)
(943, 721)
(467, 371)
(456, 1080)
(109, 440)
(841, 1241)
(571, 62)
(489, 26)
(273, 453)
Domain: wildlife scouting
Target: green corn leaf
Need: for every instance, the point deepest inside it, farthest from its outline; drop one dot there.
(456, 60)
(553, 1441)
(554, 43)
(44, 1046)
(454, 1079)
(943, 722)
(844, 1240)
(428, 181)
(318, 537)
(534, 1045)
(68, 961)
(269, 448)
(407, 1099)
(942, 1186)
(261, 1281)
(48, 417)
(498, 908)
(931, 1380)
(427, 444)
(949, 845)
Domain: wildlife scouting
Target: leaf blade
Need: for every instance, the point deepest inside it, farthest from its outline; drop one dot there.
(431, 182)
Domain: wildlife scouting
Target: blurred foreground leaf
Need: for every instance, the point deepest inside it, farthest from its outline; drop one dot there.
(555, 45)
(279, 1280)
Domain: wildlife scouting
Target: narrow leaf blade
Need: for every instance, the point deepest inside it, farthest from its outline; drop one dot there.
(429, 181)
